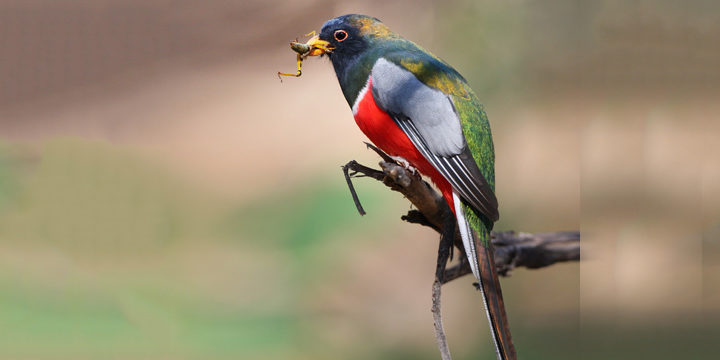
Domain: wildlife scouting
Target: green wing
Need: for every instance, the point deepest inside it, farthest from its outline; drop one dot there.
(438, 75)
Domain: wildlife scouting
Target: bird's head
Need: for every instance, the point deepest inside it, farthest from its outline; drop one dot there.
(347, 36)
(352, 42)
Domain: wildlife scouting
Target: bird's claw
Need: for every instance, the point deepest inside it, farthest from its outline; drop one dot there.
(405, 164)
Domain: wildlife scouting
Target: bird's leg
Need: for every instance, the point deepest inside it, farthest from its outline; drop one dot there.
(446, 243)
(406, 164)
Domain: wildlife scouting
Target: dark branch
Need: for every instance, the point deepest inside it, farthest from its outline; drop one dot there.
(512, 249)
(437, 321)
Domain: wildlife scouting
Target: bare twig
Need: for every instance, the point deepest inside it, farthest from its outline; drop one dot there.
(359, 207)
(534, 251)
(437, 321)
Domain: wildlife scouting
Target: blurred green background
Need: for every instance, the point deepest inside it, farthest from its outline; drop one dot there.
(164, 196)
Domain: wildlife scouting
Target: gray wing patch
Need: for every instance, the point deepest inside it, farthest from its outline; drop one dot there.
(429, 119)
(460, 170)
(398, 91)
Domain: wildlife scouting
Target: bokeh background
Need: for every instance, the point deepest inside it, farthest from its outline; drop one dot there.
(164, 196)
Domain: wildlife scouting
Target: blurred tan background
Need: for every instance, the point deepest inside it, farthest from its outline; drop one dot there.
(164, 196)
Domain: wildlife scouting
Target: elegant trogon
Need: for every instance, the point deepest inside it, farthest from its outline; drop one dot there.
(414, 106)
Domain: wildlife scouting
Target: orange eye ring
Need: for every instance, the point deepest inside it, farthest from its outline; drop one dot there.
(340, 35)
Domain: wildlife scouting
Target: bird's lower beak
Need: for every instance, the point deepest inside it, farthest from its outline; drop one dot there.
(318, 47)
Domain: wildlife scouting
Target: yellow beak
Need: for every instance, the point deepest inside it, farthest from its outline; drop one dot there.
(317, 46)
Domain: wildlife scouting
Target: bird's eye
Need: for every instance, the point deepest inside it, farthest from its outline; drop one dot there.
(341, 35)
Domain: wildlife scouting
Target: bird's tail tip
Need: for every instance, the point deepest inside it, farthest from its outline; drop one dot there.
(479, 252)
(489, 286)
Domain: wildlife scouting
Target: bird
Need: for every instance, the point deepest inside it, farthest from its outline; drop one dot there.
(418, 109)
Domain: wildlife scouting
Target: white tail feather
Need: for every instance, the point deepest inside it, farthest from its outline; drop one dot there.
(466, 235)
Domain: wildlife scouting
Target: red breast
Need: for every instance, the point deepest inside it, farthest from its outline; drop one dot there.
(380, 128)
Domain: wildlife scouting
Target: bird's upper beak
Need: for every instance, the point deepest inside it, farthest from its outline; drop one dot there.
(317, 46)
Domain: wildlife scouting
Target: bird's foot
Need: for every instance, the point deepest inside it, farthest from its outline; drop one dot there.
(405, 164)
